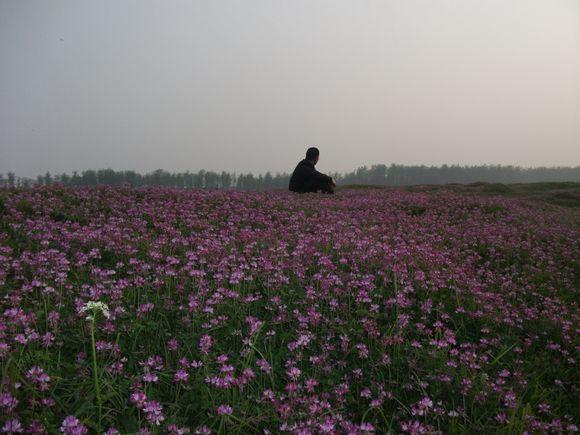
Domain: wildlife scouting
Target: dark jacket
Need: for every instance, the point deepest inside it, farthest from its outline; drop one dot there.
(307, 179)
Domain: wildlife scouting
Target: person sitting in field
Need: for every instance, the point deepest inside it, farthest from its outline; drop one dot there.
(307, 179)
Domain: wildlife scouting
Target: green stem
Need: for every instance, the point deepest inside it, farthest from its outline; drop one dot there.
(96, 377)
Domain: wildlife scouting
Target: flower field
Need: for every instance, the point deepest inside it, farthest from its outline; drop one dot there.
(158, 310)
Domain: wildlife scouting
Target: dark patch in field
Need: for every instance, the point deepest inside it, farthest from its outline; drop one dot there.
(566, 194)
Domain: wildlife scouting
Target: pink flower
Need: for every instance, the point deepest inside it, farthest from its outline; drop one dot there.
(311, 384)
(367, 427)
(414, 427)
(293, 373)
(205, 344)
(153, 411)
(72, 426)
(224, 410)
(172, 344)
(181, 376)
(138, 398)
(12, 426)
(8, 402)
(501, 418)
(39, 377)
(248, 373)
(423, 407)
(264, 365)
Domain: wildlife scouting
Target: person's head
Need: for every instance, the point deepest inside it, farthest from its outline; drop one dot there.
(312, 154)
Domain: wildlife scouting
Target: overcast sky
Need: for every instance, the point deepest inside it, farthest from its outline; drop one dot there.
(247, 85)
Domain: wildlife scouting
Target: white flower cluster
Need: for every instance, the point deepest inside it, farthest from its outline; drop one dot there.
(95, 307)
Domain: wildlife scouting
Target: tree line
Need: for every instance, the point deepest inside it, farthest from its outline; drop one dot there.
(382, 175)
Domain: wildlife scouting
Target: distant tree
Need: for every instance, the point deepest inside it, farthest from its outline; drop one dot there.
(48, 178)
(211, 180)
(109, 177)
(132, 178)
(198, 179)
(89, 178)
(64, 179)
(393, 175)
(225, 180)
(75, 180)
(11, 179)
(267, 182)
(378, 174)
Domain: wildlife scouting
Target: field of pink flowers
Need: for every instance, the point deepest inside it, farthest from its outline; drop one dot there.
(168, 311)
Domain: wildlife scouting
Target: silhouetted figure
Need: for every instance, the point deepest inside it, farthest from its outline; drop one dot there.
(306, 178)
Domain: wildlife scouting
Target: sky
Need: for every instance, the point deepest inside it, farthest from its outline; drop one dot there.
(248, 85)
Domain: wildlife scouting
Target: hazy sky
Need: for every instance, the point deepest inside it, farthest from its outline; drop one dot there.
(247, 85)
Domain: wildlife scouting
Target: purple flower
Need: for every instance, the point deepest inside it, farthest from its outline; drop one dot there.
(224, 410)
(12, 426)
(138, 398)
(8, 402)
(39, 377)
(72, 426)
(173, 429)
(501, 418)
(414, 427)
(153, 411)
(367, 427)
(172, 344)
(205, 344)
(181, 376)
(264, 365)
(423, 407)
(35, 427)
(293, 373)
(150, 376)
